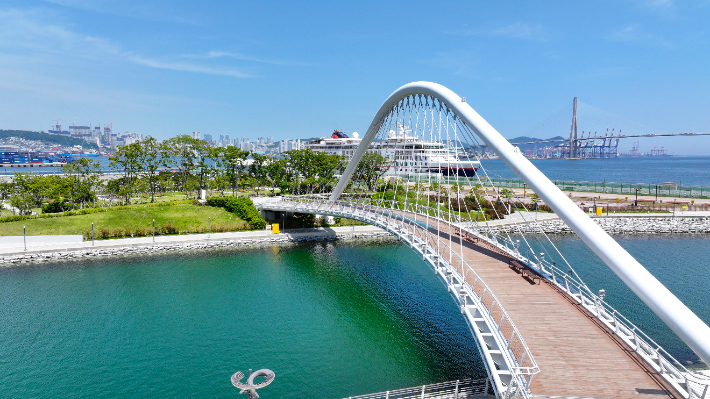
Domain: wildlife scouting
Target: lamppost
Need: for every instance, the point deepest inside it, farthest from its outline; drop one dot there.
(525, 188)
(636, 203)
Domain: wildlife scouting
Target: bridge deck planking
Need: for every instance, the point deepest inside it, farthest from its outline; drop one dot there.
(577, 356)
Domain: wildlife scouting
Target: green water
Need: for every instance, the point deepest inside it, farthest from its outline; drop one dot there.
(331, 320)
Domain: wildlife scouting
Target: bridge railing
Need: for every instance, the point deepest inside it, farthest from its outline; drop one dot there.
(502, 336)
(459, 389)
(672, 190)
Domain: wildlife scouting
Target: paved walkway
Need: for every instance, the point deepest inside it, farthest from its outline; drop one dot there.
(43, 247)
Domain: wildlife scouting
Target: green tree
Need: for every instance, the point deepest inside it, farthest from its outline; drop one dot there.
(370, 169)
(258, 170)
(85, 176)
(126, 162)
(152, 156)
(189, 153)
(313, 171)
(234, 162)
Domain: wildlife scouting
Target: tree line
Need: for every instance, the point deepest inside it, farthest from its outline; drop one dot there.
(184, 165)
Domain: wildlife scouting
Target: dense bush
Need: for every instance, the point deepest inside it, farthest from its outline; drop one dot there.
(58, 205)
(242, 207)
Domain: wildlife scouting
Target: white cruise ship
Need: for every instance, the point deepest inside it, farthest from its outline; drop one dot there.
(407, 154)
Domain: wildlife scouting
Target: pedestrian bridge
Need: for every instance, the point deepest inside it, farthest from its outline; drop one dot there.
(540, 330)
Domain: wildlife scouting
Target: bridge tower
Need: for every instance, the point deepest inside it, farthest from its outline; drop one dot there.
(573, 131)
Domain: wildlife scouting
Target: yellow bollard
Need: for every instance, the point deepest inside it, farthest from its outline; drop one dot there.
(275, 228)
(599, 210)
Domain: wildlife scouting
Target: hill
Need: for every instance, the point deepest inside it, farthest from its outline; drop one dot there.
(48, 138)
(524, 139)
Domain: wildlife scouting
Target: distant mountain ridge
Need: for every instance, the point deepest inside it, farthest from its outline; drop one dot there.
(523, 139)
(48, 138)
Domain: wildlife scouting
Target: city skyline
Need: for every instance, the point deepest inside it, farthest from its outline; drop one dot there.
(297, 71)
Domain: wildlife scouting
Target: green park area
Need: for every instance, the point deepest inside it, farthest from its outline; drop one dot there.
(136, 220)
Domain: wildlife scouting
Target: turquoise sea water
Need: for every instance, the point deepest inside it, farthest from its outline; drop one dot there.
(330, 320)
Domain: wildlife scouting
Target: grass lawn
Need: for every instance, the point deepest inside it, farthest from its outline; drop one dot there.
(137, 220)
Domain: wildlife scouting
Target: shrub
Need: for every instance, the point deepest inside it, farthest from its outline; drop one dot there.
(56, 206)
(104, 233)
(118, 233)
(139, 232)
(242, 207)
(169, 229)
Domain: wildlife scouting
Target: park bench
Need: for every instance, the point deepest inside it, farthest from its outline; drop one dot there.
(524, 270)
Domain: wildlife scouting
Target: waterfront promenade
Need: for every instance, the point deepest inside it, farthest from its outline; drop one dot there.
(17, 248)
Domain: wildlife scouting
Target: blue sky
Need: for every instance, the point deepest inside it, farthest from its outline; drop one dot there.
(301, 69)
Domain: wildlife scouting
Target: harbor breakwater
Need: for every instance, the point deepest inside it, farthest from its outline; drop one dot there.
(46, 256)
(624, 225)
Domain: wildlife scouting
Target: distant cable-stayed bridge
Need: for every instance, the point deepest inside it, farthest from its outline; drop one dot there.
(620, 136)
(594, 144)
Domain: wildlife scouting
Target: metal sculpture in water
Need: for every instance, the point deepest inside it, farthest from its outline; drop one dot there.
(249, 387)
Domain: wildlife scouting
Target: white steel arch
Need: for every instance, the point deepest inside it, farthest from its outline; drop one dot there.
(688, 326)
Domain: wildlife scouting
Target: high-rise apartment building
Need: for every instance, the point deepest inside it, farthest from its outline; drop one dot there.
(196, 135)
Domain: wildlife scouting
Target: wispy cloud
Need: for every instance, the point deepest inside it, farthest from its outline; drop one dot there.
(627, 34)
(517, 30)
(127, 9)
(636, 34)
(243, 57)
(31, 32)
(665, 8)
(185, 67)
(658, 4)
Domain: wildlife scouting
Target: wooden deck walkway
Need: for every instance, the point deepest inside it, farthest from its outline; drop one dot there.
(577, 355)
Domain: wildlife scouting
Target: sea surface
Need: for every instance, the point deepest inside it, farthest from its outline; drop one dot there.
(330, 319)
(687, 171)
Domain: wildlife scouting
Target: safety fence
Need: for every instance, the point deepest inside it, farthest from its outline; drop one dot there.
(675, 190)
(459, 389)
